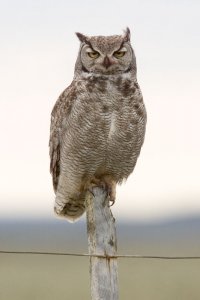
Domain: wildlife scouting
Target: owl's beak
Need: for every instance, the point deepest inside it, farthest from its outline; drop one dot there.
(107, 62)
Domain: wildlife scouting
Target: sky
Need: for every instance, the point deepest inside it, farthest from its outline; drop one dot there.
(38, 53)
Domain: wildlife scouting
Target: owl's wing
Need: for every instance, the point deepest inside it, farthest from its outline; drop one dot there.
(60, 111)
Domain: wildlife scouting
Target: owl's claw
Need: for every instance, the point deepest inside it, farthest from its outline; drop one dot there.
(111, 195)
(112, 202)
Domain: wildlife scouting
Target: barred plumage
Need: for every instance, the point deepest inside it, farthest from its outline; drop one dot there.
(97, 124)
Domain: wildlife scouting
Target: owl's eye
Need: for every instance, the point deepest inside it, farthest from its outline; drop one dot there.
(93, 54)
(119, 54)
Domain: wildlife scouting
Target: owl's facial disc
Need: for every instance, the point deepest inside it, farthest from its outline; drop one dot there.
(106, 61)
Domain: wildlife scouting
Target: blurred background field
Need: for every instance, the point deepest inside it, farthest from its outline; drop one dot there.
(58, 278)
(36, 277)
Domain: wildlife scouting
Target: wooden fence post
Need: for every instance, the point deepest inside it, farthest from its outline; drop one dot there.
(101, 241)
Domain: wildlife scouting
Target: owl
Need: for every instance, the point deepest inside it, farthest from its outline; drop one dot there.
(97, 124)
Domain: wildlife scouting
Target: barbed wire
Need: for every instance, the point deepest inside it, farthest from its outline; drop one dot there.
(99, 255)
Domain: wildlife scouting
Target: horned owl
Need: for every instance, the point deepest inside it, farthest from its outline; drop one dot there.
(97, 124)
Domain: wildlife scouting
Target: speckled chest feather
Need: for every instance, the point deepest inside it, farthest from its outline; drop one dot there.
(106, 124)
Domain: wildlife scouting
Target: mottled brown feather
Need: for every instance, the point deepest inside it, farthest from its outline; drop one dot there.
(60, 111)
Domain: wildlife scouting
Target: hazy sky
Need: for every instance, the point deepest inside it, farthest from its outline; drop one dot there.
(38, 52)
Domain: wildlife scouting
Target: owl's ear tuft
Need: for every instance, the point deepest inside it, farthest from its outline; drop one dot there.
(82, 38)
(127, 35)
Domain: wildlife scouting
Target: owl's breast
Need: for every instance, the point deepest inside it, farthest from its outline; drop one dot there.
(105, 130)
(113, 109)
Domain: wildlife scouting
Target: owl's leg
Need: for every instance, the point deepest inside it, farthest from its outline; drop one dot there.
(110, 188)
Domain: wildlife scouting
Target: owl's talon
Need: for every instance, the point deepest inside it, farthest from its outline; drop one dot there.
(111, 197)
(110, 188)
(112, 202)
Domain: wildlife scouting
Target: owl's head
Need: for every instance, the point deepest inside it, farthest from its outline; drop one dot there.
(105, 54)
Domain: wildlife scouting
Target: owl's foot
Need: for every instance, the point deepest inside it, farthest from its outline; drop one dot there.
(110, 188)
(96, 182)
(112, 202)
(107, 184)
(111, 192)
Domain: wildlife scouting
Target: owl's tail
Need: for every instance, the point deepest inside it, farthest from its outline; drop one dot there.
(71, 209)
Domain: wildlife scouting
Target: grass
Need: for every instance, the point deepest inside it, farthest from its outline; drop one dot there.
(58, 278)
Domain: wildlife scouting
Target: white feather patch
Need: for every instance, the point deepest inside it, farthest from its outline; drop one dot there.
(112, 125)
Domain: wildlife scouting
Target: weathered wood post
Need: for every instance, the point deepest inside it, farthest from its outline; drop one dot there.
(101, 241)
